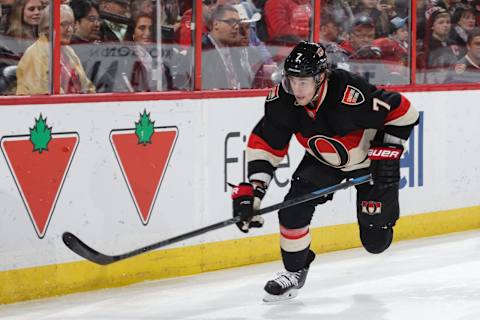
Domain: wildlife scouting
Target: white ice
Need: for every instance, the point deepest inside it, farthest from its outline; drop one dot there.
(435, 278)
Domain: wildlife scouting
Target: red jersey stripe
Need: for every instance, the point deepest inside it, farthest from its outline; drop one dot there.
(256, 142)
(400, 111)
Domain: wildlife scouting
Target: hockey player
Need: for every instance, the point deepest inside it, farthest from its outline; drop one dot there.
(348, 128)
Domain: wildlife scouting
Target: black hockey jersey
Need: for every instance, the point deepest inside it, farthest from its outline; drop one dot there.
(336, 129)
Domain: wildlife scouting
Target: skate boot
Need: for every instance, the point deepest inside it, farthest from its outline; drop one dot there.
(285, 286)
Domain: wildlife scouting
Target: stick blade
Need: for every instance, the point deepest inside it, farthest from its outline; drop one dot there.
(83, 250)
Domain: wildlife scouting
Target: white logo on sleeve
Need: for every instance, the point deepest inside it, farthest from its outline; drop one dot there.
(353, 96)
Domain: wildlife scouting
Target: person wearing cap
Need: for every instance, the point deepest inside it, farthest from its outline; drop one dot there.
(463, 20)
(361, 36)
(394, 50)
(114, 24)
(438, 53)
(248, 18)
(467, 69)
(395, 46)
(254, 56)
(381, 11)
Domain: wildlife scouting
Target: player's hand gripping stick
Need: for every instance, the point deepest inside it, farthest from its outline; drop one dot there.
(246, 200)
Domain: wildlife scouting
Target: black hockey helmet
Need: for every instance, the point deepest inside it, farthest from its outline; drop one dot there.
(307, 59)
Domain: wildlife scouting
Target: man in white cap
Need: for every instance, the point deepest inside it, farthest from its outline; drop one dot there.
(254, 55)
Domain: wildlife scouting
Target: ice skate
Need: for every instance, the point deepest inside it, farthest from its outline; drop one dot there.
(285, 286)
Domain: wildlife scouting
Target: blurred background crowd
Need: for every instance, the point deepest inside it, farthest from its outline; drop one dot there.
(148, 45)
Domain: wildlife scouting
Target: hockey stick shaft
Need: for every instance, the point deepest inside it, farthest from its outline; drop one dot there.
(80, 248)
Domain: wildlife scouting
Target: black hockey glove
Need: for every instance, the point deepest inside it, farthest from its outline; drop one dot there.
(246, 200)
(385, 166)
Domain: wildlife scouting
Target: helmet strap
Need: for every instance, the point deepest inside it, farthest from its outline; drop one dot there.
(318, 84)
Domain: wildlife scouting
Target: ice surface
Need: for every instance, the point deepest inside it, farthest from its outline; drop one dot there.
(435, 278)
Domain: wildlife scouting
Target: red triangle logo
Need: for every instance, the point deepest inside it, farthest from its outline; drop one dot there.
(39, 176)
(143, 165)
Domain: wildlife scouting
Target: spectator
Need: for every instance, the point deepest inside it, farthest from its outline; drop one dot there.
(115, 14)
(171, 12)
(250, 17)
(467, 69)
(339, 13)
(23, 24)
(185, 30)
(33, 70)
(87, 45)
(359, 46)
(220, 68)
(362, 56)
(253, 55)
(141, 6)
(170, 21)
(424, 10)
(395, 47)
(330, 29)
(87, 21)
(463, 19)
(381, 12)
(170, 16)
(394, 50)
(25, 19)
(439, 54)
(288, 21)
(142, 68)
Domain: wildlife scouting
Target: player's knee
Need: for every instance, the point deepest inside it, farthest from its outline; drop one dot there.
(376, 240)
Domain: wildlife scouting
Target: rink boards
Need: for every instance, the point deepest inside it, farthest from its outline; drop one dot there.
(93, 178)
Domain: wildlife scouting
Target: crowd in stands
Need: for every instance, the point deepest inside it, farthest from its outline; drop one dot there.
(147, 45)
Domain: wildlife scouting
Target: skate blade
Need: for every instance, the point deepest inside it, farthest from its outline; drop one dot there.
(269, 298)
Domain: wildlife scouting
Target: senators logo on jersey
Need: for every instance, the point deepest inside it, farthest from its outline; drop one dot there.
(328, 150)
(353, 96)
(371, 207)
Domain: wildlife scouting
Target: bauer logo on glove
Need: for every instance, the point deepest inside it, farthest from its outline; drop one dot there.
(246, 200)
(385, 166)
(378, 153)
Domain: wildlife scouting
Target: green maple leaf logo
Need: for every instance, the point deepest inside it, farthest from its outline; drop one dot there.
(40, 135)
(144, 128)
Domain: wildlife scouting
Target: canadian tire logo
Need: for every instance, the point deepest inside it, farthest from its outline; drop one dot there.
(143, 154)
(39, 164)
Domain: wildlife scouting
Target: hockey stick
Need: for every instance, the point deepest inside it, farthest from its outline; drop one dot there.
(80, 248)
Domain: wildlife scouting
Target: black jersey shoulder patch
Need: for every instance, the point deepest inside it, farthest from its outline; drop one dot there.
(353, 96)
(273, 94)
